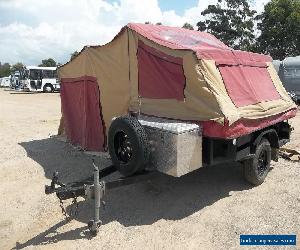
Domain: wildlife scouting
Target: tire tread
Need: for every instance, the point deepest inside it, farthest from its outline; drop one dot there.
(250, 165)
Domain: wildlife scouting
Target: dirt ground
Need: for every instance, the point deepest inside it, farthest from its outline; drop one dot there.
(207, 209)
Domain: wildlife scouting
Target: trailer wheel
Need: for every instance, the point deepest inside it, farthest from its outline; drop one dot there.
(48, 88)
(128, 145)
(256, 169)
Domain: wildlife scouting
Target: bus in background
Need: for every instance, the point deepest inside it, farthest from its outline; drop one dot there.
(36, 78)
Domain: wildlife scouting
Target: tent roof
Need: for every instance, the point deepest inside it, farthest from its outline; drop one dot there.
(178, 38)
(205, 45)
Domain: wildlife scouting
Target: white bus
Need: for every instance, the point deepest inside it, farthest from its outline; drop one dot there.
(36, 78)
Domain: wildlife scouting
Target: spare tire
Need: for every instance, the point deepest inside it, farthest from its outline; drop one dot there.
(128, 145)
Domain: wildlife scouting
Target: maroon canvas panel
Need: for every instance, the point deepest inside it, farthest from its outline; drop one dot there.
(243, 126)
(178, 38)
(248, 85)
(161, 76)
(80, 100)
(73, 116)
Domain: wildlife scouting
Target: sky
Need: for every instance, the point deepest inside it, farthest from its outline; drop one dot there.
(32, 30)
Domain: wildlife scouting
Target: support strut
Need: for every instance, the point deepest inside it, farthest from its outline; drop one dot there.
(99, 190)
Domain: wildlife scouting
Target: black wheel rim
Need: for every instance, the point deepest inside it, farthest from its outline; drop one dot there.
(123, 147)
(262, 165)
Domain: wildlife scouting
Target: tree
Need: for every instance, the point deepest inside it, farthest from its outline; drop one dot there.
(231, 21)
(48, 63)
(188, 26)
(17, 67)
(279, 25)
(74, 54)
(4, 69)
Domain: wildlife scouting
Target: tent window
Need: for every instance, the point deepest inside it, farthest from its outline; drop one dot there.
(248, 85)
(161, 76)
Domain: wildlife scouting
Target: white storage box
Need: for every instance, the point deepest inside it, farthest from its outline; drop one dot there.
(176, 146)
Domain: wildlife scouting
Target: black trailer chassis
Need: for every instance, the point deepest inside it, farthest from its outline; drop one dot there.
(214, 151)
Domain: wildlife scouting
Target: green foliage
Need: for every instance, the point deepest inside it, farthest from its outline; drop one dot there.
(17, 67)
(280, 29)
(48, 63)
(231, 21)
(4, 69)
(188, 26)
(74, 54)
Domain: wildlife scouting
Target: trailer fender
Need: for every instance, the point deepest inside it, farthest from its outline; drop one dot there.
(272, 136)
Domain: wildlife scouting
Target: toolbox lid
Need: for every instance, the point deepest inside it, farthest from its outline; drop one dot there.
(172, 126)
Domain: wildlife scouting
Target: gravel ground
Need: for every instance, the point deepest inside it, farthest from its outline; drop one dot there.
(207, 209)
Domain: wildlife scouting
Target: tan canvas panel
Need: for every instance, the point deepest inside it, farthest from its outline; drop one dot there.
(215, 83)
(278, 84)
(77, 67)
(111, 74)
(265, 109)
(112, 77)
(199, 104)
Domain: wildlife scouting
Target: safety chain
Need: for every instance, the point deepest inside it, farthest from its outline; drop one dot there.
(63, 210)
(74, 208)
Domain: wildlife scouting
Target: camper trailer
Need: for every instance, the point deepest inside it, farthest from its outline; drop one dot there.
(173, 80)
(42, 79)
(171, 100)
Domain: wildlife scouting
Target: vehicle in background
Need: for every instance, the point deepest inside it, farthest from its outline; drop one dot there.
(277, 64)
(15, 80)
(35, 78)
(294, 97)
(289, 73)
(5, 81)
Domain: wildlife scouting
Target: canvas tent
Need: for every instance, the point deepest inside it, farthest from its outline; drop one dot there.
(173, 73)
